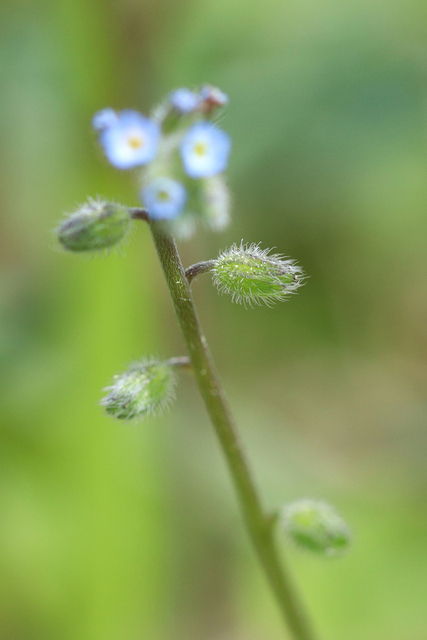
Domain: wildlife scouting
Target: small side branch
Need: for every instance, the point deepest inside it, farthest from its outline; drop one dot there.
(181, 362)
(199, 267)
(137, 213)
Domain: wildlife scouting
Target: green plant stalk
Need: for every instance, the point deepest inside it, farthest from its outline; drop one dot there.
(259, 523)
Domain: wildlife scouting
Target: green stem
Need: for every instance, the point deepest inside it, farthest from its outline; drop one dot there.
(258, 522)
(181, 362)
(196, 269)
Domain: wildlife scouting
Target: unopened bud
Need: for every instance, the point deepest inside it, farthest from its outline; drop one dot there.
(252, 276)
(96, 225)
(212, 98)
(184, 100)
(146, 388)
(315, 526)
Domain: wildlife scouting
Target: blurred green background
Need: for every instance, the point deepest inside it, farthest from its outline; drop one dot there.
(111, 531)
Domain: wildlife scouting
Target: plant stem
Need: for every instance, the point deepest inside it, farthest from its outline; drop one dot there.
(258, 522)
(136, 213)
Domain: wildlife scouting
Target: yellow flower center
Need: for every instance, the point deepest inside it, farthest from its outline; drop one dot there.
(135, 141)
(200, 149)
(163, 196)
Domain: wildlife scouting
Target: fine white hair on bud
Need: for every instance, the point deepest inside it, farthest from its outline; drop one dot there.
(96, 225)
(315, 526)
(147, 388)
(252, 275)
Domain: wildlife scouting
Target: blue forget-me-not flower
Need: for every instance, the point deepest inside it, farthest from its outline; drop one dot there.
(164, 198)
(184, 100)
(129, 140)
(204, 150)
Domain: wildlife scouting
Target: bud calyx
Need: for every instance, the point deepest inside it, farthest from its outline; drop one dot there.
(314, 525)
(252, 275)
(146, 388)
(97, 225)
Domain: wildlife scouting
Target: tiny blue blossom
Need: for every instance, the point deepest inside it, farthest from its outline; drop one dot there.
(164, 198)
(104, 118)
(130, 140)
(184, 100)
(204, 150)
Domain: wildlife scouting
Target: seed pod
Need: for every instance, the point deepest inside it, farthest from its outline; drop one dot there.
(315, 526)
(146, 388)
(97, 225)
(252, 276)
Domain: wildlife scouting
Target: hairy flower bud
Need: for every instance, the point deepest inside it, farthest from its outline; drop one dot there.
(96, 225)
(252, 276)
(315, 526)
(146, 388)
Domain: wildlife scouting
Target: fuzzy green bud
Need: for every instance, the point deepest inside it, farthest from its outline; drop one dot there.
(252, 275)
(97, 225)
(315, 526)
(146, 388)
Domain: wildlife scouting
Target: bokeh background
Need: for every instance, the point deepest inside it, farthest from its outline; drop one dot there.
(111, 531)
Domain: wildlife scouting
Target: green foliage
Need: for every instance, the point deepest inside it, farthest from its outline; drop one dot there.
(315, 526)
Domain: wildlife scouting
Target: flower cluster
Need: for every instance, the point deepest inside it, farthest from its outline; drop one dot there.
(181, 154)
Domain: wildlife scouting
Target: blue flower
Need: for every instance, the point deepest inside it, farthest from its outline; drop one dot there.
(104, 118)
(184, 100)
(204, 150)
(164, 198)
(130, 139)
